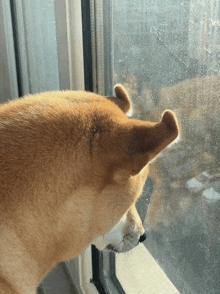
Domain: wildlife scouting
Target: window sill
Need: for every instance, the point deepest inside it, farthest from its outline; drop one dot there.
(139, 273)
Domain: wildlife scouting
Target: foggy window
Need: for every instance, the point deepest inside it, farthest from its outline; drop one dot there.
(167, 55)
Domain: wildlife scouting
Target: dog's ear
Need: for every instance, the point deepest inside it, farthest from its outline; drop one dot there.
(146, 140)
(121, 99)
(149, 139)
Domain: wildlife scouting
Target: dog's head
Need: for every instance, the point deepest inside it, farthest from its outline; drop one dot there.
(72, 167)
(76, 159)
(136, 143)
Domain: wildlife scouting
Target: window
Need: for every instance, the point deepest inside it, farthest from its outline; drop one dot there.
(8, 75)
(167, 55)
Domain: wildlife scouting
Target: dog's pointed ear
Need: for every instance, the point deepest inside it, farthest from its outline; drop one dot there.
(147, 140)
(121, 99)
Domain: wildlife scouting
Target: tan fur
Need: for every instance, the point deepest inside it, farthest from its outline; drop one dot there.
(71, 164)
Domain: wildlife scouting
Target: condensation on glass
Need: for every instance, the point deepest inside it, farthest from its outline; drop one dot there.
(167, 55)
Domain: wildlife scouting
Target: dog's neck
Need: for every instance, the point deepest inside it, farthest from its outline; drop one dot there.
(25, 257)
(32, 244)
(16, 264)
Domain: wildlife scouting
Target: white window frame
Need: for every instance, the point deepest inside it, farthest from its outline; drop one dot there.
(8, 73)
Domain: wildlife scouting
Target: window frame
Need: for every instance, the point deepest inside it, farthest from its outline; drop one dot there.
(8, 71)
(93, 271)
(98, 66)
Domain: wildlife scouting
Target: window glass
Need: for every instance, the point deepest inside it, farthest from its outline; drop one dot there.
(167, 55)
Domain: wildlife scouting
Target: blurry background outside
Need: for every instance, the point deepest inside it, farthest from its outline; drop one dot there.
(167, 55)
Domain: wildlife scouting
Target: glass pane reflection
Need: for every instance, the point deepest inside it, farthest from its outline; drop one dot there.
(167, 55)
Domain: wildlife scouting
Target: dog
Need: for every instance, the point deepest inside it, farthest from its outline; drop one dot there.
(72, 166)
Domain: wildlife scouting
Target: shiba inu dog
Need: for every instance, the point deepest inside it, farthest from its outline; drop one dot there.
(72, 165)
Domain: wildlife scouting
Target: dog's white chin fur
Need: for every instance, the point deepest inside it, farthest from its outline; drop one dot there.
(123, 237)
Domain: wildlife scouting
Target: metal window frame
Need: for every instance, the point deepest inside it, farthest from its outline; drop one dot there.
(102, 49)
(8, 71)
(87, 45)
(68, 15)
(75, 44)
(104, 272)
(98, 58)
